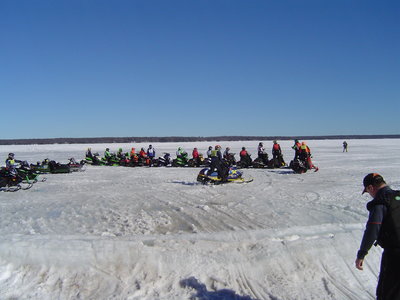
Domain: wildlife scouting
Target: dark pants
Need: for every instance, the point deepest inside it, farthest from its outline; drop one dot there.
(221, 169)
(389, 276)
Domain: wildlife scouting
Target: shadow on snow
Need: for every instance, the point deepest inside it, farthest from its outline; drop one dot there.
(203, 294)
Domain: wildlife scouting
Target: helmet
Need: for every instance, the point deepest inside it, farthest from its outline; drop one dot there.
(107, 149)
(179, 148)
(296, 141)
(150, 146)
(210, 147)
(11, 155)
(120, 149)
(260, 144)
(275, 142)
(243, 148)
(227, 148)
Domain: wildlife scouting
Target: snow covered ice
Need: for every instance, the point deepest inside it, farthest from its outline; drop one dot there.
(155, 233)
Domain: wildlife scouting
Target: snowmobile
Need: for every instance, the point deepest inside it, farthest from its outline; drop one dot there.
(144, 161)
(230, 160)
(298, 166)
(94, 160)
(277, 162)
(75, 166)
(245, 162)
(10, 182)
(27, 174)
(180, 161)
(208, 176)
(112, 161)
(163, 161)
(261, 161)
(57, 168)
(41, 167)
(200, 162)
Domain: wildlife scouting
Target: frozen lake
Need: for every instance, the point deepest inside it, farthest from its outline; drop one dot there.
(155, 233)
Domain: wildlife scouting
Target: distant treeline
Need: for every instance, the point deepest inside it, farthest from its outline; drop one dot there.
(173, 139)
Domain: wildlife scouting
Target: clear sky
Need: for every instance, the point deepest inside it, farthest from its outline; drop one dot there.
(84, 68)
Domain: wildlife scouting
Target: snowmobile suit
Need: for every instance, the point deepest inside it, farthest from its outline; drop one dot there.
(142, 154)
(296, 147)
(195, 154)
(383, 226)
(276, 151)
(217, 163)
(10, 166)
(151, 153)
(196, 157)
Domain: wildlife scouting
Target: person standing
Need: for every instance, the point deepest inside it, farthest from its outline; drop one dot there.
(276, 150)
(262, 154)
(383, 229)
(345, 146)
(218, 164)
(296, 147)
(151, 153)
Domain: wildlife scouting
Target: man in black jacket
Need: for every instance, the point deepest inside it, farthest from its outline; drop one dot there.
(383, 226)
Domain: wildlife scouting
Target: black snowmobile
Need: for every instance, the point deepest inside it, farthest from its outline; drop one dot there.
(261, 161)
(245, 162)
(57, 168)
(298, 166)
(277, 162)
(230, 159)
(12, 182)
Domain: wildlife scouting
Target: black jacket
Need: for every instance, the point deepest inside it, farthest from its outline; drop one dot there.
(383, 225)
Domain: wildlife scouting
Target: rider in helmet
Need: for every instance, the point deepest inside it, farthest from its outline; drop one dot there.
(218, 164)
(226, 153)
(11, 164)
(180, 153)
(209, 151)
(120, 155)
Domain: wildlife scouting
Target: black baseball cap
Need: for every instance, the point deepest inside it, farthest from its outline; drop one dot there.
(372, 179)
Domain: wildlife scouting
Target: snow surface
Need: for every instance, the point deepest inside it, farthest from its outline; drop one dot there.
(155, 233)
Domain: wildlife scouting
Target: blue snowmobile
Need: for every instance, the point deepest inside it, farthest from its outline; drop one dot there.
(208, 176)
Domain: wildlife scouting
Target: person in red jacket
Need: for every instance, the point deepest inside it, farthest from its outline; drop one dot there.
(276, 150)
(196, 156)
(245, 158)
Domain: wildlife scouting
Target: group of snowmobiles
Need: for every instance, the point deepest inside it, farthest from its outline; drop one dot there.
(25, 175)
(141, 160)
(22, 175)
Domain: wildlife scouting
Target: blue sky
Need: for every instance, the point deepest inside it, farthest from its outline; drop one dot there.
(198, 68)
